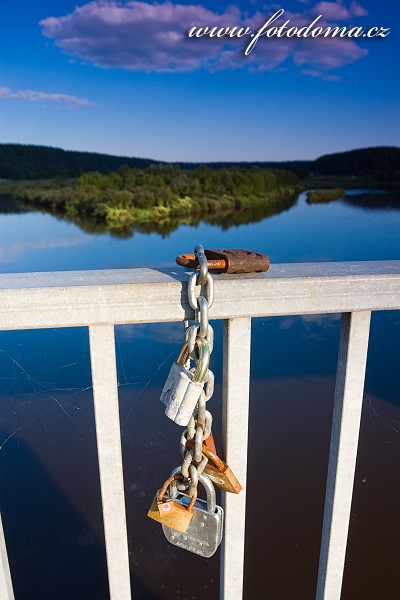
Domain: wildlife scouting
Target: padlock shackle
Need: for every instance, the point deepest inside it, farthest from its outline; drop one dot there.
(164, 488)
(219, 464)
(190, 262)
(183, 354)
(227, 261)
(210, 490)
(203, 362)
(206, 483)
(166, 485)
(216, 460)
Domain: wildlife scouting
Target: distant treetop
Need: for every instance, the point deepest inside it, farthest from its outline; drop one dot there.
(18, 161)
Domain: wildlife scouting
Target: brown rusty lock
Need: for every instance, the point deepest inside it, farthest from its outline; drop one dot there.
(228, 261)
(220, 474)
(169, 511)
(210, 443)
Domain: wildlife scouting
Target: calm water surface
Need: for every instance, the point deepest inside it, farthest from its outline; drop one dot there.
(49, 493)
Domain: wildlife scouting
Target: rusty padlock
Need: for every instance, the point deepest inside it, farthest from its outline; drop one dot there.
(210, 443)
(220, 474)
(228, 261)
(170, 511)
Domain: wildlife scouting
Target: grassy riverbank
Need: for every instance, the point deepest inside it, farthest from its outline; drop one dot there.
(163, 195)
(323, 196)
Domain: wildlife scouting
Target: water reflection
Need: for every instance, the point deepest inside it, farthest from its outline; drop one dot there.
(232, 215)
(373, 200)
(8, 206)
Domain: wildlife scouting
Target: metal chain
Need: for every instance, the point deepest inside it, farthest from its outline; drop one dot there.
(200, 424)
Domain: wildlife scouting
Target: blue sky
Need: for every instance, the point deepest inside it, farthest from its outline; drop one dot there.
(120, 77)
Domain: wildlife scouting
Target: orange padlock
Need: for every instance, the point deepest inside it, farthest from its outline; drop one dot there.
(169, 511)
(220, 474)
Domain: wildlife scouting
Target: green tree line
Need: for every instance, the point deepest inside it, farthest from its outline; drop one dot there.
(381, 164)
(159, 193)
(19, 162)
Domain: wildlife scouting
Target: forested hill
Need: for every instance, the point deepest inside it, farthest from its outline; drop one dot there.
(298, 167)
(381, 164)
(19, 161)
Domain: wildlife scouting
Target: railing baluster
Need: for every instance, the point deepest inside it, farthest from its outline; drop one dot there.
(353, 348)
(237, 335)
(6, 587)
(105, 393)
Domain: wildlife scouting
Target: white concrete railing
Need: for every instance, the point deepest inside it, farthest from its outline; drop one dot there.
(101, 299)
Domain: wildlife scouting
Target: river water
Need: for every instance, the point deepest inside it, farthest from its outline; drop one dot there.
(49, 494)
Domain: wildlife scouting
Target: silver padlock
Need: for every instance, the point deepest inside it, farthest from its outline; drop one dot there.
(183, 386)
(204, 533)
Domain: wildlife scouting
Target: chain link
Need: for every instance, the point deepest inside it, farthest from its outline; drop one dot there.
(209, 385)
(208, 290)
(200, 424)
(192, 332)
(203, 264)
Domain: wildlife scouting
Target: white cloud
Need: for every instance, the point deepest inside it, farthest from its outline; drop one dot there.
(35, 96)
(144, 36)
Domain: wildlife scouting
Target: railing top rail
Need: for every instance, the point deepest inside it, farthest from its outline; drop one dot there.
(171, 275)
(74, 298)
